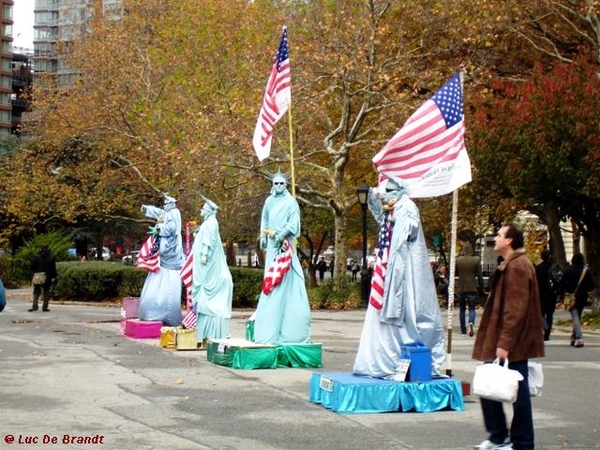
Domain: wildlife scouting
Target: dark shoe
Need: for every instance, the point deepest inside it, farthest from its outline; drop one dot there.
(578, 343)
(32, 309)
(471, 331)
(572, 342)
(45, 310)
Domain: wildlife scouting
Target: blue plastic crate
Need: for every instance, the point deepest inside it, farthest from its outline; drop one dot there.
(420, 362)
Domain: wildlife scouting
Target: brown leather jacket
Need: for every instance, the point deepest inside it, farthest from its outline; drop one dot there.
(512, 317)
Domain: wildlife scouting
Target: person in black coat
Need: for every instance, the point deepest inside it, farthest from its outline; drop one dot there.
(45, 263)
(321, 268)
(547, 296)
(572, 285)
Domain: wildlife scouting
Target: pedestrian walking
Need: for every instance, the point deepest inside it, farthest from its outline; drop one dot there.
(469, 286)
(578, 281)
(43, 267)
(510, 329)
(548, 295)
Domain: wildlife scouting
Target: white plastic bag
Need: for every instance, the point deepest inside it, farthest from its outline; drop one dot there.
(535, 378)
(496, 382)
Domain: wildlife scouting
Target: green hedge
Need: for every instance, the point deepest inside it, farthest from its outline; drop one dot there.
(97, 281)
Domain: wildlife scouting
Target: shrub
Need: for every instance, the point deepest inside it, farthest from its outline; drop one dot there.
(339, 293)
(96, 281)
(57, 243)
(14, 273)
(247, 283)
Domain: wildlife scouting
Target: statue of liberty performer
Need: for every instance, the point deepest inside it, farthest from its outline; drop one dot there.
(161, 294)
(403, 307)
(212, 285)
(283, 312)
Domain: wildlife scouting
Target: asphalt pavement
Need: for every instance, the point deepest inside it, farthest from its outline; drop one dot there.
(69, 380)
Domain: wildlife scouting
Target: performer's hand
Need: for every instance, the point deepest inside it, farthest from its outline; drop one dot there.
(203, 259)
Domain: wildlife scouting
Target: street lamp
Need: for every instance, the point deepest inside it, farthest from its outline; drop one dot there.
(365, 276)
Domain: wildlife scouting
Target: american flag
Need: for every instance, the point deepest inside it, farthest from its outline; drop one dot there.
(277, 98)
(378, 279)
(189, 318)
(429, 150)
(279, 267)
(149, 258)
(186, 277)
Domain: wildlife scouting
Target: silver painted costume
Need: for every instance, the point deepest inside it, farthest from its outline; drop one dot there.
(410, 312)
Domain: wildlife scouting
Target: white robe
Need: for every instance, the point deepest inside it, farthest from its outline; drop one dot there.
(410, 312)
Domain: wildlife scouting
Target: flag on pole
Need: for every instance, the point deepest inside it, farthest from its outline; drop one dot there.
(277, 98)
(381, 261)
(279, 267)
(186, 277)
(429, 151)
(149, 258)
(189, 318)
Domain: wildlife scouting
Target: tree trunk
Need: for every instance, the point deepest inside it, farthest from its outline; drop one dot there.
(341, 242)
(576, 237)
(230, 253)
(557, 244)
(592, 256)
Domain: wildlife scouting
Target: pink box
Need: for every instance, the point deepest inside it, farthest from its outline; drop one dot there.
(129, 307)
(142, 329)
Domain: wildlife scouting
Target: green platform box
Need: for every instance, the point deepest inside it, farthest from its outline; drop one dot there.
(241, 354)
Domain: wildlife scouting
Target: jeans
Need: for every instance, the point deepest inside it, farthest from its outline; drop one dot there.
(521, 428)
(464, 299)
(576, 316)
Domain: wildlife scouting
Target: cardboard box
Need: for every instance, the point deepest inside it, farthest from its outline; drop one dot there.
(168, 336)
(186, 339)
(129, 307)
(140, 329)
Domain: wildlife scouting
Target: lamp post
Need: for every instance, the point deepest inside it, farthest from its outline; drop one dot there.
(365, 276)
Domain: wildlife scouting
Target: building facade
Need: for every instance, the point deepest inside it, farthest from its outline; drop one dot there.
(59, 22)
(6, 67)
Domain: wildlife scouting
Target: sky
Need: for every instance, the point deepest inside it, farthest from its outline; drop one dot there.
(23, 27)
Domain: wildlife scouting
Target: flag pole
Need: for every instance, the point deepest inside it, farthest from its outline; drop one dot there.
(452, 271)
(453, 233)
(292, 174)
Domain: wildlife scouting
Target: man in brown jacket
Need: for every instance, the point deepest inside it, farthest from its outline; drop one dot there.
(511, 328)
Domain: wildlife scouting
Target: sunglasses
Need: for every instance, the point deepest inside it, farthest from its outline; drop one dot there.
(278, 183)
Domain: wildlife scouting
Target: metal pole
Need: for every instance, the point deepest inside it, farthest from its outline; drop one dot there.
(364, 273)
(452, 271)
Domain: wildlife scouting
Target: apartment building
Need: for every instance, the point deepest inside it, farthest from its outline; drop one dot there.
(6, 90)
(63, 21)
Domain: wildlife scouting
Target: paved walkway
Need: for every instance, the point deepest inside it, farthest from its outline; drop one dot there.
(69, 375)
